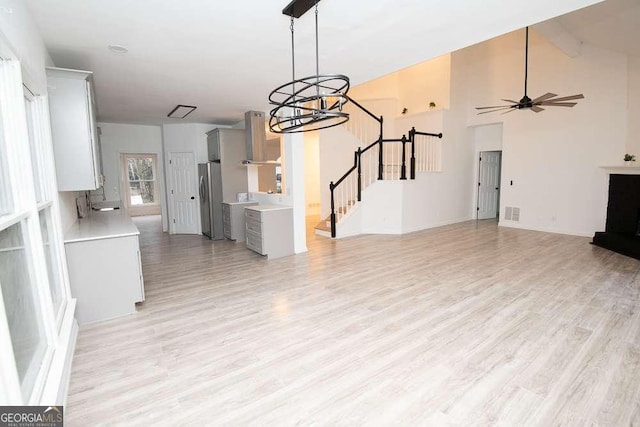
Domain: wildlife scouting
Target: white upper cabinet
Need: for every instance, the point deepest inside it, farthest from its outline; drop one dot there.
(73, 127)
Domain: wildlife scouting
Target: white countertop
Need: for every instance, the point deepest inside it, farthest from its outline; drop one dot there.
(268, 207)
(101, 225)
(239, 203)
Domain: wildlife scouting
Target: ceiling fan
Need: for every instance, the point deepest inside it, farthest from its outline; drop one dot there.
(546, 100)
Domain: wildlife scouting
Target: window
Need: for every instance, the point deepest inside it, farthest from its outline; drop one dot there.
(141, 184)
(5, 193)
(35, 313)
(52, 259)
(20, 295)
(34, 148)
(141, 180)
(36, 111)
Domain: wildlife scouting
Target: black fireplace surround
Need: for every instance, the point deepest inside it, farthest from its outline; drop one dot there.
(622, 233)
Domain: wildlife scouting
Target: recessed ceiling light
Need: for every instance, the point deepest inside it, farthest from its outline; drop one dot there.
(181, 111)
(117, 48)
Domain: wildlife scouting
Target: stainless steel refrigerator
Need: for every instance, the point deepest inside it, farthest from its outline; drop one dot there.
(210, 179)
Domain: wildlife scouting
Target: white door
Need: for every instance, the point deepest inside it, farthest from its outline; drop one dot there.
(183, 193)
(489, 184)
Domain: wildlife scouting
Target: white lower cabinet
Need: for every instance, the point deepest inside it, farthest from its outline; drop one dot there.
(233, 220)
(269, 230)
(105, 272)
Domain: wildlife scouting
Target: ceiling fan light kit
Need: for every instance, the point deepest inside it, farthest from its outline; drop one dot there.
(547, 100)
(308, 103)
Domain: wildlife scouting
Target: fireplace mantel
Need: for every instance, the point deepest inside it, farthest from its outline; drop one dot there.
(622, 170)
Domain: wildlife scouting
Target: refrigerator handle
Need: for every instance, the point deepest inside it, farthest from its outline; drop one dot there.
(202, 192)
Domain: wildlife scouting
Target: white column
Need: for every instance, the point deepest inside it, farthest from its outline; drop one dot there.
(294, 172)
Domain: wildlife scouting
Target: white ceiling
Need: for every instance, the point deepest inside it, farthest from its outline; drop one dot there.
(614, 25)
(225, 57)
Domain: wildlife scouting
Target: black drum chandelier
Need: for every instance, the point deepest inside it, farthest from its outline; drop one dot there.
(309, 103)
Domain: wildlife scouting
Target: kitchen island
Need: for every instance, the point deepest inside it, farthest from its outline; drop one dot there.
(105, 273)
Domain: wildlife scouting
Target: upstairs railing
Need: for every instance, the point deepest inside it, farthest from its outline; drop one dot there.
(400, 156)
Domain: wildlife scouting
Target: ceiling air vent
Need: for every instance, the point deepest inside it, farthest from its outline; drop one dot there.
(181, 111)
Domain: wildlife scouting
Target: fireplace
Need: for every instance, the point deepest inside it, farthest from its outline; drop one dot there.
(622, 233)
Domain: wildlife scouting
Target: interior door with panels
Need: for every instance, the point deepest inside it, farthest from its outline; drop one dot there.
(183, 193)
(489, 184)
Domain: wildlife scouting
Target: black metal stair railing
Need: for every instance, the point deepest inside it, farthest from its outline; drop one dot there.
(357, 161)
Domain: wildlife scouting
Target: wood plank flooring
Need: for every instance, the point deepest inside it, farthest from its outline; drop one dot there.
(468, 324)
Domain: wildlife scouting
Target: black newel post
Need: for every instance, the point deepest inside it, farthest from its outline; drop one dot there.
(359, 163)
(380, 157)
(412, 138)
(333, 211)
(403, 168)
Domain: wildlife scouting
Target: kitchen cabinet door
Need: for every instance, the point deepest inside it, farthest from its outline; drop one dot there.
(73, 128)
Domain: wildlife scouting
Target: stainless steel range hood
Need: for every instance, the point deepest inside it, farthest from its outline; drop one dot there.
(256, 139)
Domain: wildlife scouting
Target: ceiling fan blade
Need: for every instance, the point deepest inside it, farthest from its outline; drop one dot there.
(559, 104)
(544, 97)
(507, 112)
(568, 98)
(495, 106)
(511, 100)
(498, 109)
(536, 108)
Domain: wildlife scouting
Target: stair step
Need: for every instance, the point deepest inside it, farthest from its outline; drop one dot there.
(324, 233)
(324, 225)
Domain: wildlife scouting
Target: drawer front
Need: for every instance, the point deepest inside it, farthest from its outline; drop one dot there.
(254, 242)
(227, 229)
(254, 226)
(254, 215)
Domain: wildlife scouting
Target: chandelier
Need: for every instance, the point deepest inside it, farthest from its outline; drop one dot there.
(308, 103)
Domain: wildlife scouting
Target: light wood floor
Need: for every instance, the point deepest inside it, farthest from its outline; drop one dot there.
(468, 324)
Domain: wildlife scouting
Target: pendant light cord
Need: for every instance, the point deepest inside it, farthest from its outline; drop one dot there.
(293, 58)
(317, 56)
(526, 60)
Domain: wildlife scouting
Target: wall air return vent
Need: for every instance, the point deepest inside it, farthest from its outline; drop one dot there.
(512, 214)
(516, 214)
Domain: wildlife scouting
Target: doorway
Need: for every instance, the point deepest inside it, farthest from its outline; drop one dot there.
(140, 183)
(488, 200)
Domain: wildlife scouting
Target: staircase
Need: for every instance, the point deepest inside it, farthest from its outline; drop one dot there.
(382, 159)
(323, 228)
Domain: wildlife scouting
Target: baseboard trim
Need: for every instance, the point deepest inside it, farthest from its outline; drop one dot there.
(511, 224)
(436, 224)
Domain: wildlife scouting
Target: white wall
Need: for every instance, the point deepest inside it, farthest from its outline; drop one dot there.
(337, 146)
(487, 137)
(312, 172)
(20, 33)
(383, 87)
(425, 82)
(633, 122)
(117, 139)
(553, 156)
(412, 87)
